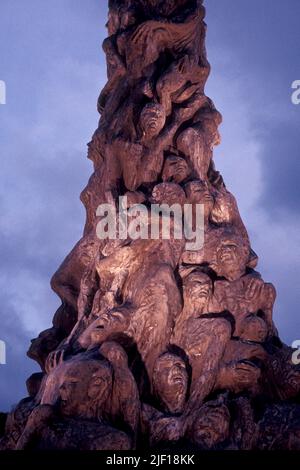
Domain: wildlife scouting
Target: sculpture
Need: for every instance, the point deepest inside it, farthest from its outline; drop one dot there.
(84, 388)
(154, 342)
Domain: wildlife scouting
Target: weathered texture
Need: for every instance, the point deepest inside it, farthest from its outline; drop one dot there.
(154, 343)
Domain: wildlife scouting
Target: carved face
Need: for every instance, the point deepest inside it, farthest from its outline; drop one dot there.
(254, 329)
(175, 169)
(84, 388)
(170, 382)
(225, 209)
(197, 288)
(152, 120)
(231, 258)
(198, 192)
(211, 426)
(168, 193)
(113, 23)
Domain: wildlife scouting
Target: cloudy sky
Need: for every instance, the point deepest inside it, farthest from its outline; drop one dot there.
(54, 68)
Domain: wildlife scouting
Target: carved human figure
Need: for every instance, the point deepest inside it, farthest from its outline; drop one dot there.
(175, 170)
(197, 141)
(170, 382)
(254, 329)
(141, 156)
(33, 383)
(210, 425)
(78, 418)
(139, 164)
(181, 80)
(168, 193)
(243, 297)
(238, 375)
(170, 387)
(231, 256)
(158, 323)
(121, 17)
(226, 250)
(44, 344)
(225, 210)
(198, 192)
(158, 427)
(125, 402)
(201, 334)
(150, 300)
(178, 33)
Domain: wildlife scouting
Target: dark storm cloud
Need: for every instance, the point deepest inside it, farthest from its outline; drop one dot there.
(263, 38)
(281, 169)
(51, 62)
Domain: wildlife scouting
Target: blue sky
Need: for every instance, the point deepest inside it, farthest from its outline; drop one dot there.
(52, 62)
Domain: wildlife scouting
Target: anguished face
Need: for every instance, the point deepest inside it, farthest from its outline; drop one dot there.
(175, 169)
(170, 382)
(198, 192)
(231, 257)
(197, 289)
(152, 120)
(84, 388)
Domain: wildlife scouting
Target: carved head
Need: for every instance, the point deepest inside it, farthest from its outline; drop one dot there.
(211, 425)
(168, 193)
(225, 208)
(197, 289)
(114, 353)
(175, 169)
(231, 256)
(152, 120)
(170, 382)
(198, 192)
(84, 387)
(254, 328)
(211, 119)
(113, 23)
(46, 342)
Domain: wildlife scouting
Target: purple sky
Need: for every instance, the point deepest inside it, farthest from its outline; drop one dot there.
(54, 68)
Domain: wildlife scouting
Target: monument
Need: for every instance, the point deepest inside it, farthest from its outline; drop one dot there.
(155, 345)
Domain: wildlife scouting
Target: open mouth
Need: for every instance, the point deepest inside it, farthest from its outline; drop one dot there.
(203, 292)
(226, 257)
(177, 379)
